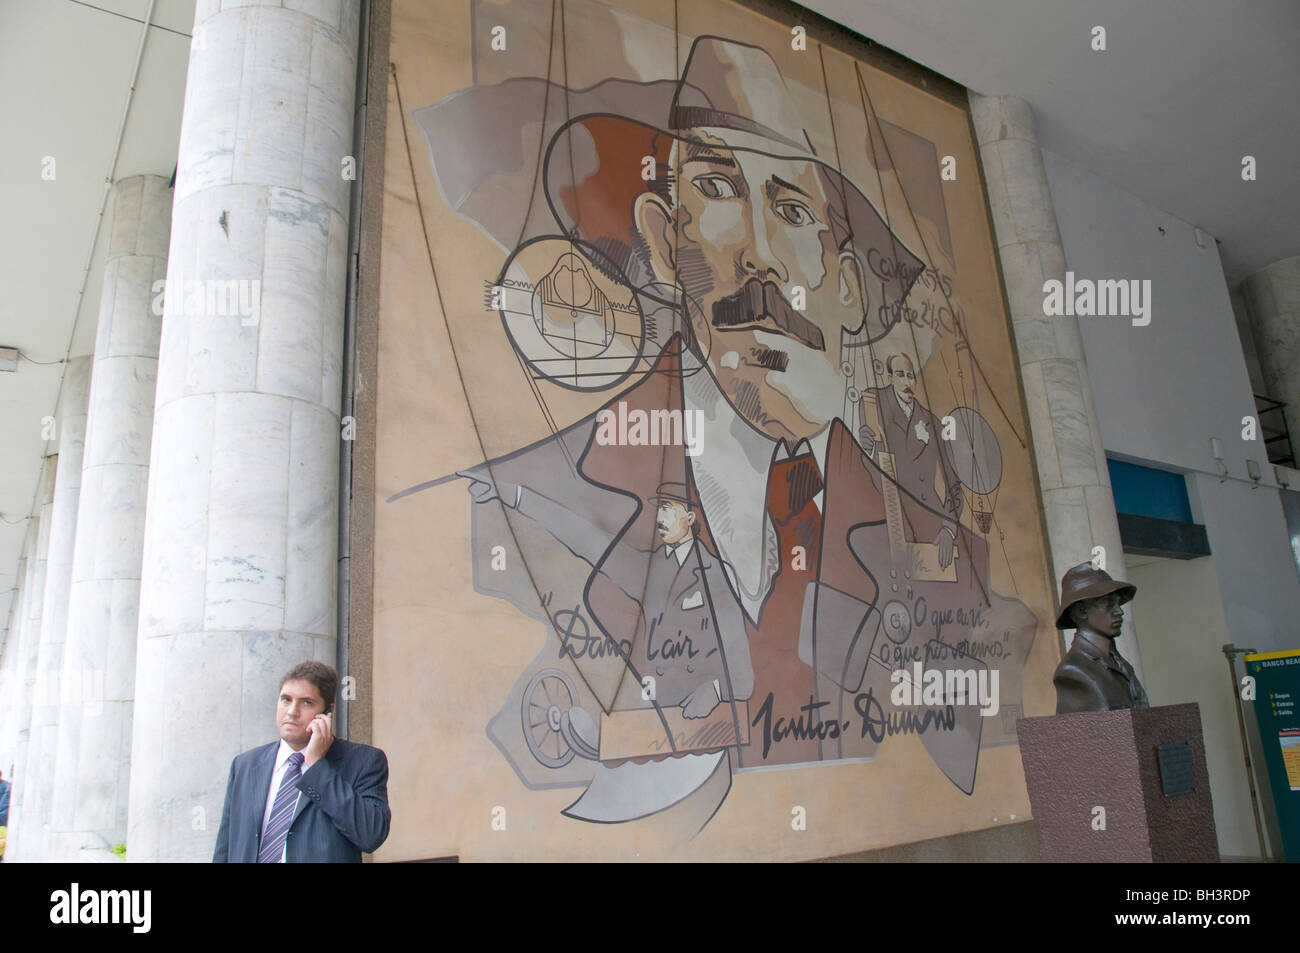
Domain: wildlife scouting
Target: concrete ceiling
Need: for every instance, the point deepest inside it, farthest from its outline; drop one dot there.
(1185, 89)
(65, 72)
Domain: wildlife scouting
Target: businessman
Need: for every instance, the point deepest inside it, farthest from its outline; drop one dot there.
(309, 797)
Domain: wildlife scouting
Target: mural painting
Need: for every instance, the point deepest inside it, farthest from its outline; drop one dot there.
(772, 536)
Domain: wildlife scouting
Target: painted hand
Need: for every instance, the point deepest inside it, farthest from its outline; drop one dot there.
(702, 701)
(484, 492)
(867, 437)
(944, 539)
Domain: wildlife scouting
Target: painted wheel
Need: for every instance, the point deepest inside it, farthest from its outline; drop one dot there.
(549, 695)
(897, 621)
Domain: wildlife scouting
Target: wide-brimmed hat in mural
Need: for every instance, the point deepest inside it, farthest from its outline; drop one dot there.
(595, 142)
(731, 98)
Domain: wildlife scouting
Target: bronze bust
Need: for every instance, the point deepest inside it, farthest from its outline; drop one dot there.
(1093, 676)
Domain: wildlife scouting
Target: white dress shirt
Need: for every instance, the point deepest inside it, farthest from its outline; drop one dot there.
(732, 478)
(277, 776)
(680, 551)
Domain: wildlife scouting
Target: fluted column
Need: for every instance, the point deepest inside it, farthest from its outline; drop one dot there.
(50, 683)
(1072, 473)
(33, 602)
(91, 770)
(1273, 301)
(241, 532)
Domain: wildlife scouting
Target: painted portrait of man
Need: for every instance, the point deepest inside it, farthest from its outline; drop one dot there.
(753, 593)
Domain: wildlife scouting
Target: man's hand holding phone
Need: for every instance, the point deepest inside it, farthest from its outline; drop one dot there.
(322, 736)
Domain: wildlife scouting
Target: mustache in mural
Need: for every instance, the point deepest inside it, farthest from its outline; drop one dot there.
(761, 304)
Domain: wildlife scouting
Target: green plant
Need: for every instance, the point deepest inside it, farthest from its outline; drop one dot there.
(120, 850)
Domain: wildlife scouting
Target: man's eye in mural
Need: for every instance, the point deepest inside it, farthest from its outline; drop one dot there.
(796, 213)
(715, 186)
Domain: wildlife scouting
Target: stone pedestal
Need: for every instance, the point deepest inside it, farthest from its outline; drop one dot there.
(1136, 766)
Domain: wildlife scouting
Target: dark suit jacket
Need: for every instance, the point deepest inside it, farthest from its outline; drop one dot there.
(664, 601)
(917, 461)
(1087, 680)
(343, 810)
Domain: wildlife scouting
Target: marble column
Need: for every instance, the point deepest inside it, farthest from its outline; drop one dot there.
(241, 532)
(11, 686)
(1072, 473)
(43, 735)
(8, 688)
(33, 603)
(11, 669)
(94, 739)
(1272, 297)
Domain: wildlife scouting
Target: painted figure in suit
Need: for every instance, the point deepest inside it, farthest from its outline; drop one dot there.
(670, 608)
(913, 434)
(694, 644)
(309, 797)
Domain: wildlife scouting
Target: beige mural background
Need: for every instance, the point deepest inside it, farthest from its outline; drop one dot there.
(444, 657)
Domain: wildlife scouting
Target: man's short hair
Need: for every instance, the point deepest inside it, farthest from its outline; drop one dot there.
(692, 510)
(1080, 608)
(889, 362)
(321, 676)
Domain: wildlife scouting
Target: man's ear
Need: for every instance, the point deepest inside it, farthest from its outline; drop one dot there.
(654, 221)
(852, 292)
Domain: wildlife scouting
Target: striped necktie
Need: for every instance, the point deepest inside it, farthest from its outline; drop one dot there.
(286, 799)
(792, 488)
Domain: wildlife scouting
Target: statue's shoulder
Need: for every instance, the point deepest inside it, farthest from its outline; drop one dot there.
(1078, 687)
(1076, 658)
(1078, 667)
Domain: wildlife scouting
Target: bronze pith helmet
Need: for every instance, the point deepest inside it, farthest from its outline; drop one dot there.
(1085, 581)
